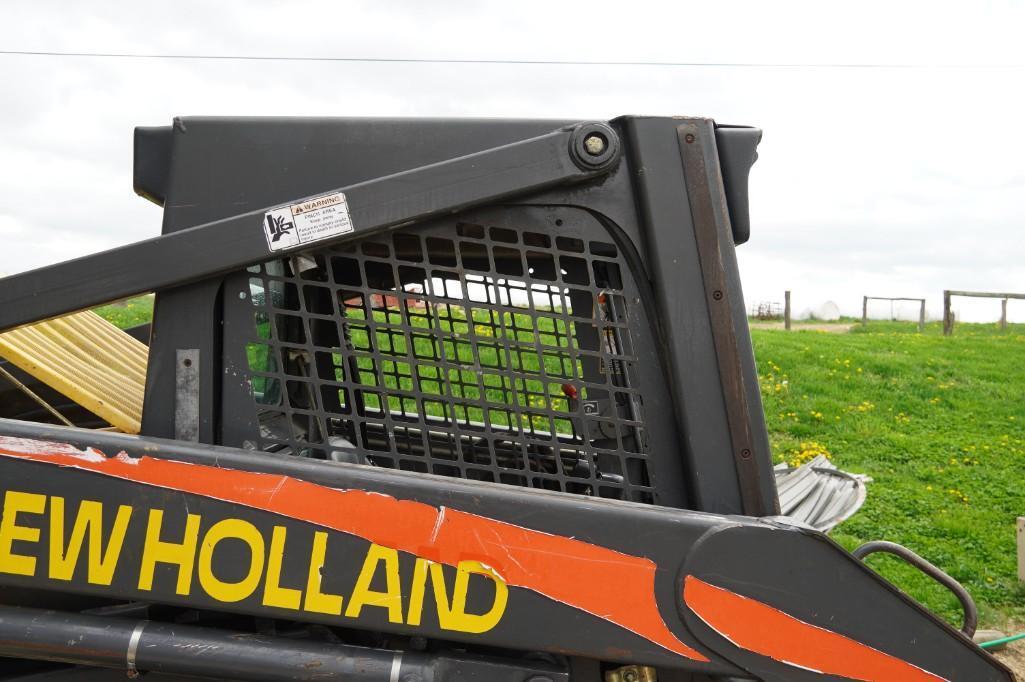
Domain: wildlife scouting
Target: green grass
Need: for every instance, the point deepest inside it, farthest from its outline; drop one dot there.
(939, 424)
(128, 313)
(479, 353)
(843, 319)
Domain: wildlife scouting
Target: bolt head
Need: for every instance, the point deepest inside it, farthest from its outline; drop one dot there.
(594, 144)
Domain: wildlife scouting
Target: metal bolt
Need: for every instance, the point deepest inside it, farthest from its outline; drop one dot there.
(594, 144)
(717, 295)
(689, 138)
(745, 453)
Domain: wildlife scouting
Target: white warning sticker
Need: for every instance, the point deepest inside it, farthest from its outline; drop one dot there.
(310, 221)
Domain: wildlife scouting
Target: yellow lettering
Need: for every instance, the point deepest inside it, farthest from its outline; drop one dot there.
(416, 593)
(317, 601)
(15, 503)
(223, 590)
(155, 551)
(362, 595)
(273, 593)
(454, 616)
(101, 561)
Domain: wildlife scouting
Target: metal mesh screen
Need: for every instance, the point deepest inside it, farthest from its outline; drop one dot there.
(464, 349)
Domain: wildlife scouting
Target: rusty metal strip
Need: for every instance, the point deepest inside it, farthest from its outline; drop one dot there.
(707, 231)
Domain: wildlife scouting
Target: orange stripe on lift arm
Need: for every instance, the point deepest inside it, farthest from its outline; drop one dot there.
(616, 587)
(760, 628)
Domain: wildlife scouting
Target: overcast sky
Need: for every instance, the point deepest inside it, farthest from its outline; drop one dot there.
(880, 181)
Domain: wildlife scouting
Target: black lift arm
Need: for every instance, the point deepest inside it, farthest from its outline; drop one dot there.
(575, 154)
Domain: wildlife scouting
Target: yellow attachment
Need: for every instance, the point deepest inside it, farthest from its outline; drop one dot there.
(89, 360)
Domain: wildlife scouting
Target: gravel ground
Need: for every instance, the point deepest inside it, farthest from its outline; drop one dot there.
(1013, 656)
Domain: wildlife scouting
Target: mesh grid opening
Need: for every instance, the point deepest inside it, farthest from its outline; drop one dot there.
(466, 350)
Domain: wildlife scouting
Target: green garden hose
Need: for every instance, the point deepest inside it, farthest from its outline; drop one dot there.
(1002, 640)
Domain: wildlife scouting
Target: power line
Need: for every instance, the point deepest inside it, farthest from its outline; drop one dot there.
(509, 62)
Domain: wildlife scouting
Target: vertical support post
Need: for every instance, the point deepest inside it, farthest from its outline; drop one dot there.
(1003, 315)
(864, 311)
(921, 317)
(1021, 548)
(948, 317)
(786, 310)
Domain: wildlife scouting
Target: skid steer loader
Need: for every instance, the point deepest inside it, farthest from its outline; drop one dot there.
(432, 400)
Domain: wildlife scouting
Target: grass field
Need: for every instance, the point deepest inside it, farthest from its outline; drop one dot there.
(939, 424)
(467, 381)
(128, 313)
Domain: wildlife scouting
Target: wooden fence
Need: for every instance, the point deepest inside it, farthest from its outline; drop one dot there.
(921, 309)
(948, 315)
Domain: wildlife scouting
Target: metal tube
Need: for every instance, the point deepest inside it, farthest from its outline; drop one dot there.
(52, 410)
(188, 650)
(971, 613)
(146, 646)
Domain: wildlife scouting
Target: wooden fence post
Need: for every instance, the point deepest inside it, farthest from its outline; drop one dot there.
(864, 311)
(948, 317)
(921, 317)
(786, 310)
(1021, 548)
(1003, 314)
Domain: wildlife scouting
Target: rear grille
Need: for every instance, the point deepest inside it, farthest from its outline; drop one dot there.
(464, 349)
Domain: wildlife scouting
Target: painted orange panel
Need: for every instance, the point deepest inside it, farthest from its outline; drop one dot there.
(765, 630)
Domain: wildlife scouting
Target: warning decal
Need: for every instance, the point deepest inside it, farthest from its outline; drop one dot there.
(309, 221)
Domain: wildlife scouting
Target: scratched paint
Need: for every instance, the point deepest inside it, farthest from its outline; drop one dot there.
(752, 625)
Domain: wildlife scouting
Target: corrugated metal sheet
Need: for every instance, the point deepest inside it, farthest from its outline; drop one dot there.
(87, 359)
(819, 494)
